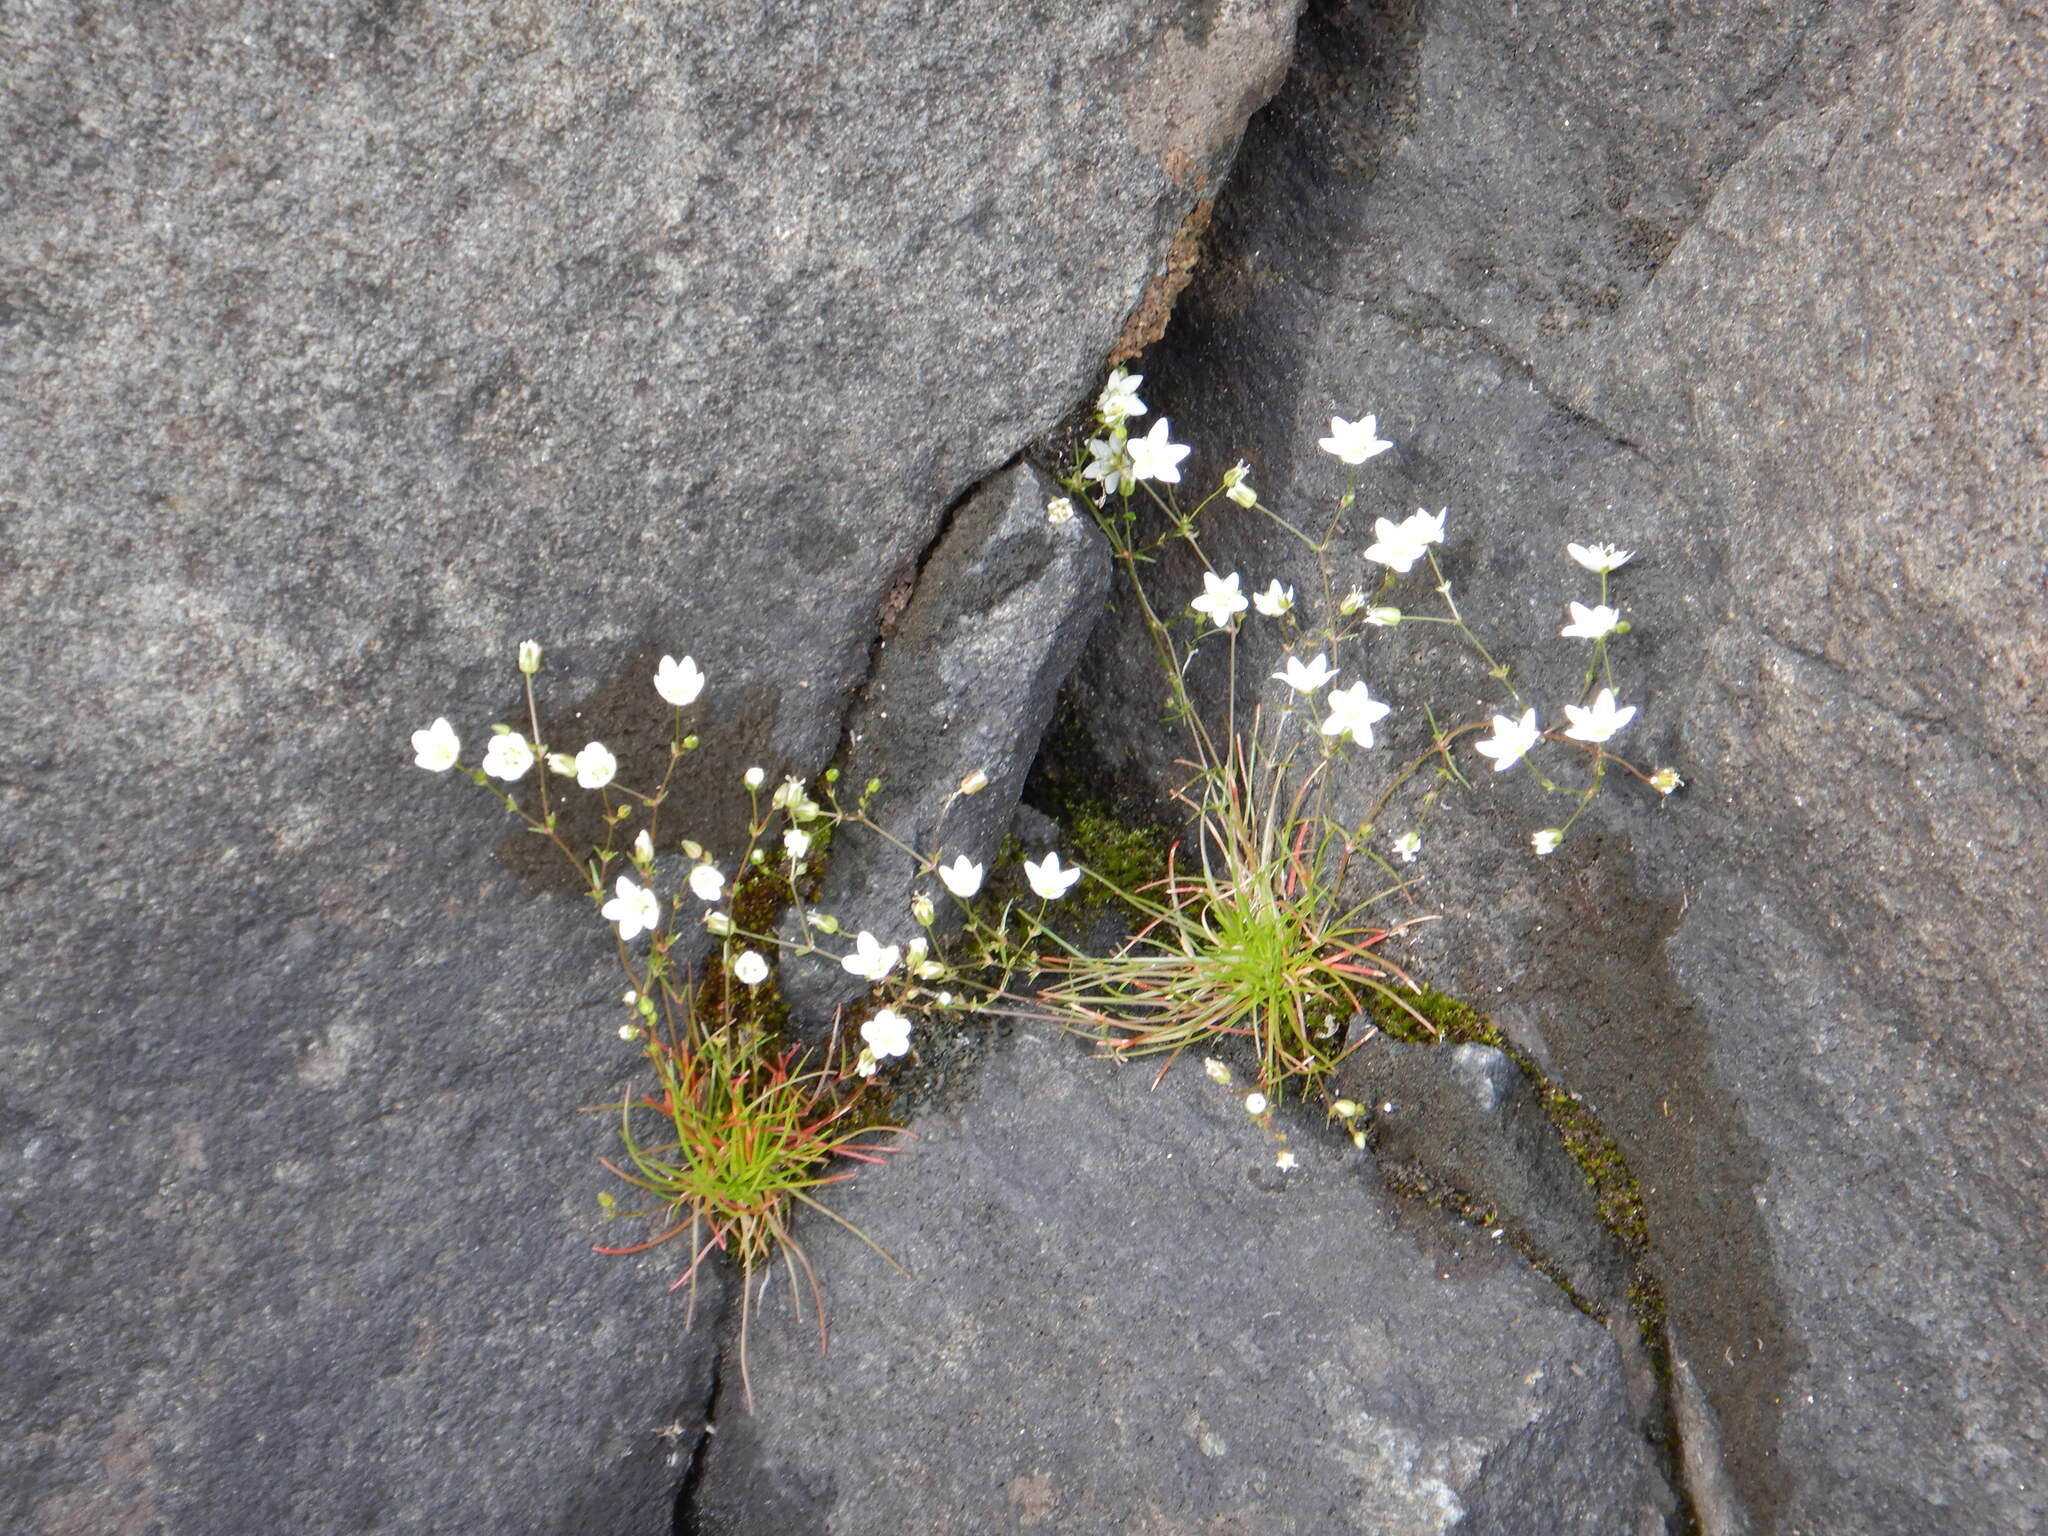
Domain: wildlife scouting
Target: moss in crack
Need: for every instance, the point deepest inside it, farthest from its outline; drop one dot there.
(1128, 856)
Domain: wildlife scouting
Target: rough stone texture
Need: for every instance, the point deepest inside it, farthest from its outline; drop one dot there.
(1757, 292)
(966, 680)
(1465, 1119)
(1124, 1317)
(345, 346)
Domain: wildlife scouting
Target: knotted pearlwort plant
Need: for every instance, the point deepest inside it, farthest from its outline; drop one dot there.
(1260, 928)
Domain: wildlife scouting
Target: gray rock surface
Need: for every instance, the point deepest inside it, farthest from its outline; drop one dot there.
(1465, 1119)
(964, 681)
(1756, 292)
(341, 349)
(1125, 1317)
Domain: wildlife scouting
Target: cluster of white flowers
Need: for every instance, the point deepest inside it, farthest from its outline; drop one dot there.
(1117, 461)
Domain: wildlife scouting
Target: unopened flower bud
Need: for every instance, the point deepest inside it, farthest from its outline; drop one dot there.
(756, 777)
(1665, 780)
(529, 656)
(824, 922)
(974, 783)
(718, 923)
(921, 908)
(1347, 1109)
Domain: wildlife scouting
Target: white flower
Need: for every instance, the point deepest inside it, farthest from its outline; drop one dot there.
(629, 1031)
(1600, 558)
(643, 847)
(1237, 485)
(437, 747)
(1400, 545)
(1048, 879)
(508, 756)
(750, 968)
(1220, 602)
(1154, 458)
(754, 778)
(718, 923)
(887, 1033)
(871, 960)
(562, 763)
(1354, 441)
(865, 1067)
(1408, 844)
(1599, 722)
(1591, 623)
(1545, 842)
(1109, 464)
(679, 682)
(706, 883)
(1275, 600)
(634, 909)
(962, 877)
(595, 767)
(790, 796)
(1255, 1103)
(1119, 400)
(1059, 510)
(1306, 678)
(1285, 1162)
(529, 656)
(1665, 780)
(1353, 711)
(921, 913)
(1510, 741)
(796, 843)
(1218, 1073)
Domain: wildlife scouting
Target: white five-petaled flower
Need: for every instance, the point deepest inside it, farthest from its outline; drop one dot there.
(1306, 677)
(437, 748)
(1119, 400)
(508, 756)
(1237, 484)
(1408, 844)
(706, 883)
(1591, 623)
(796, 843)
(1059, 510)
(871, 959)
(1220, 602)
(1599, 722)
(1286, 1162)
(595, 766)
(1511, 740)
(1399, 545)
(887, 1033)
(1545, 842)
(1353, 712)
(678, 682)
(1600, 558)
(1275, 600)
(1153, 457)
(1048, 879)
(1109, 464)
(635, 909)
(750, 968)
(962, 877)
(1354, 441)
